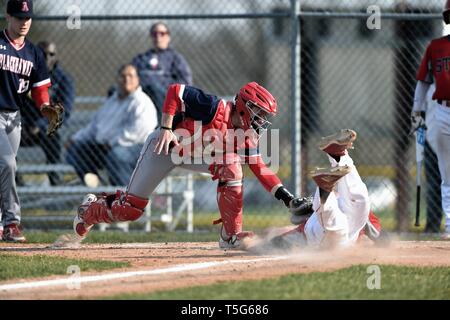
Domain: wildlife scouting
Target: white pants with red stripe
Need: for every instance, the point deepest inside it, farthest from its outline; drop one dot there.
(438, 135)
(339, 220)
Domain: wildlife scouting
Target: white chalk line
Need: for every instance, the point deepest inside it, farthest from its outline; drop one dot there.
(122, 275)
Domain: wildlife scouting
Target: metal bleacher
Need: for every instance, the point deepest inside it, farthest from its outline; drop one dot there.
(171, 218)
(34, 164)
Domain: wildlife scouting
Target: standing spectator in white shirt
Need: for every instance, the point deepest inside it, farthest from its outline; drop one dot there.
(114, 137)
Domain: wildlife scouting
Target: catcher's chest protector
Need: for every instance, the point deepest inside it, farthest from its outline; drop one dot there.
(216, 129)
(219, 132)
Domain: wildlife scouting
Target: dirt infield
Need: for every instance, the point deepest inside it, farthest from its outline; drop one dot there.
(159, 266)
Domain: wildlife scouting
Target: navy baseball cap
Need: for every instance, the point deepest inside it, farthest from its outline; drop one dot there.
(20, 8)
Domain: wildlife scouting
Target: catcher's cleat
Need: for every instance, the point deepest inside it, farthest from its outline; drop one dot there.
(236, 241)
(79, 226)
(337, 143)
(326, 178)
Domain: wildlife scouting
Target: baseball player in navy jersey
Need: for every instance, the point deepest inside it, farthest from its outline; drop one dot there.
(435, 68)
(22, 69)
(193, 119)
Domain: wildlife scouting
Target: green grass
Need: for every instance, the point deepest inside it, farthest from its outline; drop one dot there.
(95, 236)
(350, 283)
(14, 266)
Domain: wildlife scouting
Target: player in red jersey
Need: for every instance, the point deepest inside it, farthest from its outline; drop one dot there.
(435, 68)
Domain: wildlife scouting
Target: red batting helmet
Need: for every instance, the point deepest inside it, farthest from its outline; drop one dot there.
(255, 105)
(446, 12)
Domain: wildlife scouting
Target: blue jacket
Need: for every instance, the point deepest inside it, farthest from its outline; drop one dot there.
(163, 67)
(62, 89)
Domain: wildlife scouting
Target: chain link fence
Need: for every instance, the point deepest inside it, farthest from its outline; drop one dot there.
(351, 72)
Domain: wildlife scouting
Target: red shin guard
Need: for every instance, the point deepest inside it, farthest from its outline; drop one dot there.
(97, 212)
(229, 194)
(230, 204)
(128, 207)
(125, 207)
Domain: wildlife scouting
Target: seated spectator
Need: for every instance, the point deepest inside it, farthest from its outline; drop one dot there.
(161, 66)
(114, 137)
(34, 125)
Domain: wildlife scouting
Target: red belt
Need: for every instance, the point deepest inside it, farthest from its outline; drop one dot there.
(445, 103)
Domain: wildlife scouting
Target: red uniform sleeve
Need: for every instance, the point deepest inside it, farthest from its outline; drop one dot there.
(40, 95)
(268, 179)
(174, 99)
(425, 72)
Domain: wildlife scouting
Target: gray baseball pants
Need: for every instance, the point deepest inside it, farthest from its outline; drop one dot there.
(10, 128)
(152, 168)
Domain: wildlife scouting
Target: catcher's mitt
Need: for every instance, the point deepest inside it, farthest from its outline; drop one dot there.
(54, 112)
(301, 209)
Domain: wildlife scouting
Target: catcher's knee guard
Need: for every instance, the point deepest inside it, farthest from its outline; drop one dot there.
(114, 207)
(230, 198)
(128, 207)
(97, 211)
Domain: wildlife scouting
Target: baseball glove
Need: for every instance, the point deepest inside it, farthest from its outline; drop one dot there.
(417, 121)
(301, 206)
(54, 112)
(300, 209)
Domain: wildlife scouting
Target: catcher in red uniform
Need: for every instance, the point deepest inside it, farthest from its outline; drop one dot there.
(194, 124)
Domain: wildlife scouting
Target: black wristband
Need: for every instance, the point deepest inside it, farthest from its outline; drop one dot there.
(166, 128)
(284, 195)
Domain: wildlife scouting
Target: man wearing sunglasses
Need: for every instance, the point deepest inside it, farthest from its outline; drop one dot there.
(34, 125)
(161, 66)
(192, 120)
